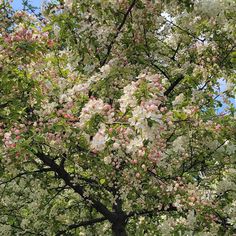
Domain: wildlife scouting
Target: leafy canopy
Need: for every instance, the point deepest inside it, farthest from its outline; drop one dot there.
(112, 119)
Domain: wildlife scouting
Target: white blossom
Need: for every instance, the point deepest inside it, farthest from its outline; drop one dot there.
(178, 99)
(99, 140)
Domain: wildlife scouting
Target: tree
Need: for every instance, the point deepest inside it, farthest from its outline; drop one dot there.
(112, 119)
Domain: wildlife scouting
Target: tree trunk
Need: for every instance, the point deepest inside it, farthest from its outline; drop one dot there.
(118, 229)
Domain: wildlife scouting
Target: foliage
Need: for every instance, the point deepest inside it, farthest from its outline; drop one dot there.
(112, 119)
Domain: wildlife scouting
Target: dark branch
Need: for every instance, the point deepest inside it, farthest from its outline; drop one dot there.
(83, 223)
(186, 31)
(176, 51)
(196, 162)
(168, 208)
(109, 47)
(227, 55)
(150, 57)
(3, 105)
(26, 173)
(173, 85)
(61, 172)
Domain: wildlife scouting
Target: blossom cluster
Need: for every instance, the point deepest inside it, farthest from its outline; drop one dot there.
(95, 106)
(143, 120)
(11, 137)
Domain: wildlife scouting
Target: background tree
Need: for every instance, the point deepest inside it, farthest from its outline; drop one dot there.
(111, 120)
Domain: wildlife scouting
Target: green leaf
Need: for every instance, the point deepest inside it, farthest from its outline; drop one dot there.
(102, 181)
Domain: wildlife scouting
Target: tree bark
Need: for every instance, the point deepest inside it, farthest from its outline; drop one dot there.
(118, 229)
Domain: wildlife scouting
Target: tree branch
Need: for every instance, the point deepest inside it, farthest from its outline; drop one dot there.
(109, 47)
(83, 223)
(168, 208)
(173, 85)
(26, 173)
(150, 57)
(186, 31)
(61, 172)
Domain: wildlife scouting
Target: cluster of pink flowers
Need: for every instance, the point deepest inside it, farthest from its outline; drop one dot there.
(155, 88)
(121, 137)
(156, 152)
(25, 35)
(54, 138)
(95, 106)
(11, 137)
(145, 121)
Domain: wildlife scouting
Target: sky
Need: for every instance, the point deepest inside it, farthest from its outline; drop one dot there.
(17, 3)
